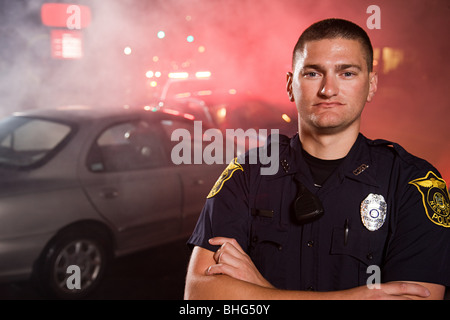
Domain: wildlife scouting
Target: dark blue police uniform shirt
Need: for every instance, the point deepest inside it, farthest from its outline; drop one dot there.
(412, 244)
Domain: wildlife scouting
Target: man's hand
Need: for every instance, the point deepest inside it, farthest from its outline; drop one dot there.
(387, 291)
(233, 261)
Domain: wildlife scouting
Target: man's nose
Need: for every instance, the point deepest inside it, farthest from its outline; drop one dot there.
(329, 87)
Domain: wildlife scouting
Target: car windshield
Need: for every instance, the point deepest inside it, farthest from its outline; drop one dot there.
(26, 141)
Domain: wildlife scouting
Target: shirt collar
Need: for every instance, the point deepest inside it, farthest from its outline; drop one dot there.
(358, 165)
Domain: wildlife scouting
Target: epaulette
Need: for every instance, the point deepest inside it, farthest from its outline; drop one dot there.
(282, 140)
(400, 152)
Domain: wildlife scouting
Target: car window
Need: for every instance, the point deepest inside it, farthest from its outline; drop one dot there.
(117, 135)
(25, 141)
(126, 146)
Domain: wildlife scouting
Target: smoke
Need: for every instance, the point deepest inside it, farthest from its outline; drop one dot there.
(19, 49)
(245, 43)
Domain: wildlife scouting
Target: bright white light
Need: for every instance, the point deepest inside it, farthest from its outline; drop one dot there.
(157, 74)
(190, 38)
(161, 34)
(149, 74)
(203, 74)
(127, 50)
(178, 75)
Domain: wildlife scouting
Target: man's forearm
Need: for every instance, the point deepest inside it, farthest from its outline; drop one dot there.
(223, 287)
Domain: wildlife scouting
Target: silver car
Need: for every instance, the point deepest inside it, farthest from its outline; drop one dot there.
(80, 186)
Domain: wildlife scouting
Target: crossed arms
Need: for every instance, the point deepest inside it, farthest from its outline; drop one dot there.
(229, 274)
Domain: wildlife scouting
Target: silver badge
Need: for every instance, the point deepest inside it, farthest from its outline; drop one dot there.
(373, 211)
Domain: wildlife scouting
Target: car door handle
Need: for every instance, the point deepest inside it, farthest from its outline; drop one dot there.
(109, 193)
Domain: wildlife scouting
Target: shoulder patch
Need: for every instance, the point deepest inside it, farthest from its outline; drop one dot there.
(435, 198)
(226, 175)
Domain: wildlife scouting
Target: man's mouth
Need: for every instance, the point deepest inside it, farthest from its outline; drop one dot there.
(329, 104)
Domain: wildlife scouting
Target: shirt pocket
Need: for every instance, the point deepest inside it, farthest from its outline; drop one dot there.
(354, 255)
(267, 249)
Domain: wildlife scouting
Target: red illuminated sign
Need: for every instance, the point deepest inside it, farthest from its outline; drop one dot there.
(71, 16)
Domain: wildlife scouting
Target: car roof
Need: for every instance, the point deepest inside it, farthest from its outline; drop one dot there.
(84, 114)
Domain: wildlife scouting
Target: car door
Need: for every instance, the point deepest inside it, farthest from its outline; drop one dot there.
(130, 181)
(197, 178)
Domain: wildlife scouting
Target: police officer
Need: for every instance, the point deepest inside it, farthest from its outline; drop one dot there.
(342, 211)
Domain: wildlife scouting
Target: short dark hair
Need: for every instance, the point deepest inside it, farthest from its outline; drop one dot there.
(335, 28)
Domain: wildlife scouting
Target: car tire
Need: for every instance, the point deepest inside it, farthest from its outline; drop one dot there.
(73, 264)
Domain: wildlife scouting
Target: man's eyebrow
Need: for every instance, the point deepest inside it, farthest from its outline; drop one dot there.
(338, 67)
(313, 66)
(341, 67)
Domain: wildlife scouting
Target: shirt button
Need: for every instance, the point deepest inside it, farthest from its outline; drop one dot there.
(369, 256)
(310, 243)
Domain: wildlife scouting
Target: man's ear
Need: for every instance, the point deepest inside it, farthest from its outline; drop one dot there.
(373, 85)
(289, 78)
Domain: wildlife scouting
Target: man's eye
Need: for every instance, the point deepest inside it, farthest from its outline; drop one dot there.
(311, 74)
(348, 74)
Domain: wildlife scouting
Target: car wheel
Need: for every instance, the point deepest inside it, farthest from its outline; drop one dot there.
(74, 264)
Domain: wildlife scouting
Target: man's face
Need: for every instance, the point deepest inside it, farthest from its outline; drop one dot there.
(330, 85)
